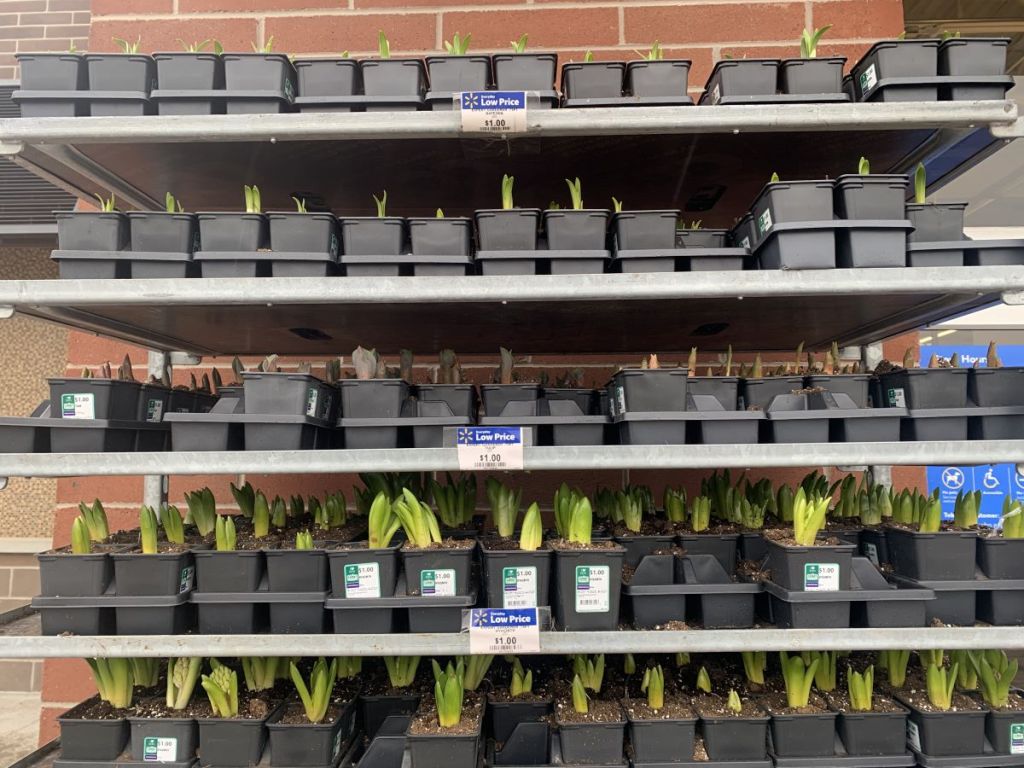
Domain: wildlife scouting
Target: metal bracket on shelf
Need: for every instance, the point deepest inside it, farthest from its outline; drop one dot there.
(1009, 130)
(6, 311)
(1013, 298)
(11, 148)
(154, 487)
(3, 483)
(184, 358)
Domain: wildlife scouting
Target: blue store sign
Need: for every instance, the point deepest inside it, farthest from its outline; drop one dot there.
(995, 481)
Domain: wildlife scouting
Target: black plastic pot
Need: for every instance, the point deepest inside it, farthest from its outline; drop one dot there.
(588, 586)
(525, 71)
(936, 222)
(873, 546)
(1002, 728)
(307, 744)
(645, 230)
(742, 77)
(873, 733)
(794, 568)
(231, 742)
(744, 234)
(665, 77)
(938, 734)
(111, 399)
(725, 389)
(138, 574)
(723, 547)
(497, 396)
(441, 237)
(995, 387)
(662, 741)
(233, 231)
(812, 76)
(52, 72)
(855, 385)
(570, 230)
(803, 735)
(266, 79)
(593, 743)
(293, 394)
(516, 579)
(91, 231)
(363, 573)
(977, 57)
(638, 547)
(296, 570)
(163, 232)
(507, 715)
(120, 74)
(375, 710)
(304, 232)
(440, 572)
(784, 202)
(925, 388)
(872, 196)
(185, 81)
(456, 74)
(328, 77)
(373, 235)
(890, 59)
(183, 732)
(998, 558)
(443, 750)
(70, 575)
(645, 390)
(760, 392)
(393, 77)
(730, 739)
(701, 238)
(941, 556)
(99, 740)
(507, 230)
(593, 80)
(373, 398)
(460, 398)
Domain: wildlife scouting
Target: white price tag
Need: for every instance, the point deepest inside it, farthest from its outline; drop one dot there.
(490, 448)
(154, 409)
(159, 750)
(897, 398)
(438, 583)
(78, 406)
(503, 631)
(519, 587)
(821, 577)
(493, 111)
(1017, 738)
(593, 589)
(362, 580)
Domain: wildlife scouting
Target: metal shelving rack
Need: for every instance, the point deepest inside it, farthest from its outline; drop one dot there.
(201, 159)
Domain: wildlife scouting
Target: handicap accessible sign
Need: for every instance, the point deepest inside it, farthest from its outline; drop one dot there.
(995, 481)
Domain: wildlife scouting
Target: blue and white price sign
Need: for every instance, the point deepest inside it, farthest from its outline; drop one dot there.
(501, 631)
(482, 448)
(493, 111)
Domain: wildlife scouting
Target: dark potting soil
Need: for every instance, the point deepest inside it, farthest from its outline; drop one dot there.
(943, 527)
(503, 695)
(96, 709)
(674, 709)
(251, 706)
(156, 707)
(648, 527)
(443, 544)
(716, 529)
(700, 752)
(162, 548)
(749, 571)
(919, 698)
(601, 711)
(1014, 703)
(295, 714)
(775, 702)
(840, 702)
(506, 544)
(424, 722)
(594, 545)
(711, 705)
(785, 538)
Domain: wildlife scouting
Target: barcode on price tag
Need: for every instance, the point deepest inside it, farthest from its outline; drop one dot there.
(503, 631)
(493, 111)
(490, 448)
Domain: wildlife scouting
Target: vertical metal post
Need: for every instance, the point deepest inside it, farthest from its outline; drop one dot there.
(871, 356)
(154, 487)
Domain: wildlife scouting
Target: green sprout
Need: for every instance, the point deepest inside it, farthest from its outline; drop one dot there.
(456, 501)
(920, 184)
(575, 193)
(174, 526)
(417, 520)
(589, 671)
(504, 506)
(798, 678)
(965, 509)
(107, 205)
(475, 669)
(734, 703)
(172, 204)
(252, 199)
(579, 696)
(382, 204)
(245, 498)
(202, 510)
(458, 46)
(448, 693)
(532, 534)
(774, 178)
(656, 53)
(861, 687)
(221, 687)
(439, 213)
(128, 46)
(80, 544)
(700, 514)
(1012, 520)
(754, 664)
(967, 669)
(278, 513)
(316, 697)
(382, 522)
(182, 675)
(260, 672)
(674, 502)
(300, 204)
(654, 686)
(931, 516)
(146, 672)
(588, 57)
(401, 670)
(825, 675)
(519, 46)
(507, 183)
(267, 47)
(260, 516)
(628, 664)
(808, 517)
(940, 683)
(574, 516)
(996, 673)
(383, 46)
(682, 658)
(522, 682)
(199, 47)
(225, 534)
(114, 681)
(864, 167)
(703, 680)
(630, 510)
(349, 667)
(809, 41)
(303, 540)
(147, 530)
(95, 518)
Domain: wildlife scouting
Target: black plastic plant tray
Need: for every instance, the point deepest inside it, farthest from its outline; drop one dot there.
(556, 430)
(947, 86)
(718, 425)
(124, 761)
(358, 103)
(630, 101)
(255, 102)
(799, 245)
(402, 432)
(157, 265)
(654, 427)
(426, 614)
(142, 615)
(872, 243)
(937, 424)
(205, 432)
(993, 253)
(994, 601)
(407, 265)
(988, 759)
(234, 263)
(211, 99)
(645, 260)
(843, 760)
(944, 253)
(776, 98)
(545, 261)
(296, 611)
(996, 423)
(104, 436)
(867, 425)
(23, 434)
(51, 103)
(93, 265)
(556, 759)
(709, 764)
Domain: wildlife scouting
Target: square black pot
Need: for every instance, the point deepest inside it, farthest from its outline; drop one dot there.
(936, 222)
(514, 229)
(496, 396)
(1001, 607)
(233, 231)
(974, 57)
(506, 715)
(91, 231)
(784, 202)
(120, 72)
(231, 742)
(941, 556)
(793, 567)
(183, 731)
(723, 547)
(456, 74)
(179, 71)
(925, 388)
(443, 750)
(729, 739)
(52, 72)
(328, 77)
(999, 558)
(306, 618)
(307, 744)
(373, 236)
(516, 579)
(271, 73)
(422, 567)
(441, 237)
(812, 76)
(244, 618)
(525, 71)
(375, 710)
(111, 399)
(70, 575)
(593, 80)
(163, 232)
(996, 386)
(662, 741)
(799, 735)
(572, 230)
(853, 384)
(295, 394)
(644, 390)
(638, 547)
(100, 740)
(373, 398)
(743, 77)
(588, 586)
(760, 392)
(593, 743)
(460, 398)
(1000, 727)
(645, 230)
(296, 570)
(938, 734)
(665, 77)
(897, 59)
(872, 196)
(873, 733)
(138, 574)
(363, 573)
(393, 77)
(304, 233)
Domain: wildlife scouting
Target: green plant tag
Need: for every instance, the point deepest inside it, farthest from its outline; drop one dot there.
(362, 580)
(156, 749)
(312, 398)
(81, 406)
(872, 552)
(439, 583)
(821, 577)
(1017, 738)
(868, 79)
(896, 398)
(764, 222)
(154, 409)
(519, 587)
(185, 584)
(593, 589)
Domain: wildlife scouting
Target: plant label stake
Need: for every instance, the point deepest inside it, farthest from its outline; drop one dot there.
(501, 631)
(490, 448)
(492, 111)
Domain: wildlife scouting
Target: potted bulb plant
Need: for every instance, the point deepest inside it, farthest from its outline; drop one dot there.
(576, 229)
(97, 729)
(1001, 551)
(932, 550)
(507, 229)
(388, 77)
(996, 674)
(522, 71)
(650, 230)
(449, 386)
(112, 76)
(103, 230)
(802, 726)
(800, 562)
(809, 74)
(305, 732)
(591, 79)
(457, 72)
(654, 76)
(447, 733)
(516, 572)
(648, 388)
(371, 395)
(379, 235)
(734, 728)
(724, 385)
(161, 730)
(60, 73)
(434, 566)
(913, 61)
(981, 57)
(171, 231)
(260, 82)
(995, 384)
(302, 232)
(660, 730)
(932, 221)
(193, 69)
(520, 711)
(328, 84)
(592, 729)
(636, 528)
(497, 397)
(235, 235)
(866, 195)
(234, 733)
(83, 569)
(441, 235)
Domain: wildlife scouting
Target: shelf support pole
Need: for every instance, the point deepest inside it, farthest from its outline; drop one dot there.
(154, 487)
(871, 356)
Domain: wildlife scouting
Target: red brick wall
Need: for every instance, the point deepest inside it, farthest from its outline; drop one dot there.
(701, 31)
(40, 25)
